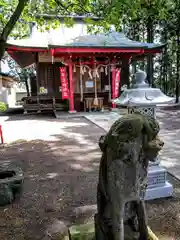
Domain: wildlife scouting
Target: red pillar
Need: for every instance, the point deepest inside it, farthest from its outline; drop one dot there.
(113, 85)
(71, 90)
(52, 54)
(1, 135)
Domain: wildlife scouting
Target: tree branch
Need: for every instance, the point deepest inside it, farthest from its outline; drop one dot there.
(12, 21)
(59, 3)
(66, 8)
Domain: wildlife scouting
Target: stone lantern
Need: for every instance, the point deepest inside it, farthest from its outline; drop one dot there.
(144, 99)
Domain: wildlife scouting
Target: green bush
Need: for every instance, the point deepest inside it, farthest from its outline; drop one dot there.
(3, 107)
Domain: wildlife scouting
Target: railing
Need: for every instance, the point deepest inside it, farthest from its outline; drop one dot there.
(89, 103)
(42, 103)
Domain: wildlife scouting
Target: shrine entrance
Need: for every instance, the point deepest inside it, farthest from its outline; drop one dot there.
(94, 79)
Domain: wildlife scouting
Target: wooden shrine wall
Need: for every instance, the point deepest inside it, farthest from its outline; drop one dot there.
(48, 77)
(102, 82)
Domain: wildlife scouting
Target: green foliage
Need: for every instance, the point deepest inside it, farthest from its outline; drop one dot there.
(143, 20)
(3, 107)
(165, 71)
(116, 12)
(21, 75)
(41, 8)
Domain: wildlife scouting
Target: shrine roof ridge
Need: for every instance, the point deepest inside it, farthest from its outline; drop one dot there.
(111, 39)
(80, 18)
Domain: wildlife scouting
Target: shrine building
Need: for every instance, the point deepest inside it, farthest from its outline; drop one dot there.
(76, 71)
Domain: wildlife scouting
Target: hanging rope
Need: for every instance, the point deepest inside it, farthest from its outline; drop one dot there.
(109, 82)
(81, 83)
(95, 73)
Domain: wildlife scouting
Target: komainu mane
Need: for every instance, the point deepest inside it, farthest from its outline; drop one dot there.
(127, 148)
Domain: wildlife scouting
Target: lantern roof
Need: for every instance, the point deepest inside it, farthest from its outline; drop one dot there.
(141, 94)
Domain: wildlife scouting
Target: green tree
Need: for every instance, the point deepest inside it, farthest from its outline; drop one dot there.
(16, 14)
(21, 75)
(7, 26)
(143, 17)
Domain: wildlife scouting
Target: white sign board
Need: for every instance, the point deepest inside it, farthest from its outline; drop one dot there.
(89, 84)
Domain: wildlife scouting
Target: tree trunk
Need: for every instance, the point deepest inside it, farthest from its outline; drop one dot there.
(10, 25)
(150, 39)
(27, 88)
(2, 49)
(165, 61)
(178, 62)
(135, 27)
(124, 74)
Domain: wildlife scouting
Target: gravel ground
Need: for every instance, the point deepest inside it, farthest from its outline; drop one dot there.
(60, 179)
(164, 214)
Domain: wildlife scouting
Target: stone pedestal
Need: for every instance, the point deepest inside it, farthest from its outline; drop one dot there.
(158, 186)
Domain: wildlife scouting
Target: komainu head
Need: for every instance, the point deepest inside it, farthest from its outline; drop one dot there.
(152, 143)
(153, 147)
(130, 127)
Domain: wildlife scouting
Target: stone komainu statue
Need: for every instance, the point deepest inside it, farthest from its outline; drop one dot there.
(126, 149)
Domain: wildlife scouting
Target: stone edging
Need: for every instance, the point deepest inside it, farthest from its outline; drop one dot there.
(11, 180)
(86, 232)
(95, 123)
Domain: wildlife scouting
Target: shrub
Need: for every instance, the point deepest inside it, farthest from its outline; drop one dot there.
(3, 107)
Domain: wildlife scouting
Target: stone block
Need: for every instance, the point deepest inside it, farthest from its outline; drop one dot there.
(11, 180)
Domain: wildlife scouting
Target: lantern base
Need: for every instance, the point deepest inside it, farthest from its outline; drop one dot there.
(74, 111)
(158, 186)
(115, 109)
(159, 192)
(156, 163)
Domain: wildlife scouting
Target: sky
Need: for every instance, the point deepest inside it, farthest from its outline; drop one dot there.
(4, 67)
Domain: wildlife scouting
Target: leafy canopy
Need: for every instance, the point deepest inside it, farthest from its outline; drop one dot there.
(41, 8)
(116, 12)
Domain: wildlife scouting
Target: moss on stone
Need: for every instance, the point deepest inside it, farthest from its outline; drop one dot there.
(83, 232)
(87, 232)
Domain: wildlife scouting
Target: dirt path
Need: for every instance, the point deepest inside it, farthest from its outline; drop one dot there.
(60, 178)
(164, 216)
